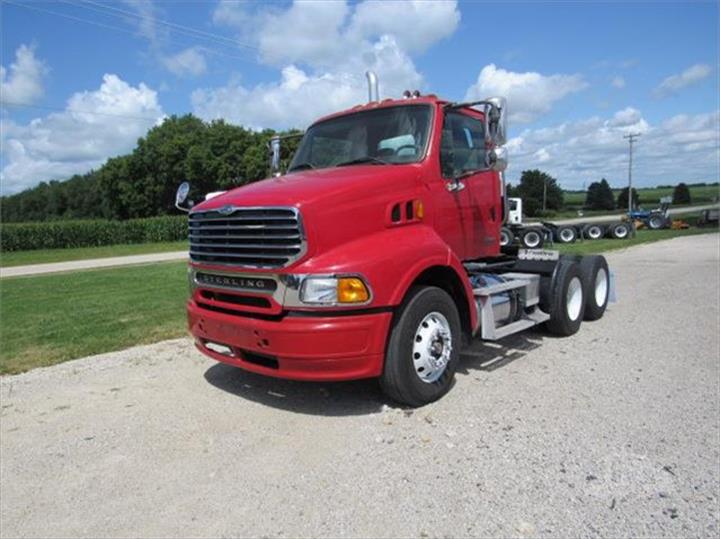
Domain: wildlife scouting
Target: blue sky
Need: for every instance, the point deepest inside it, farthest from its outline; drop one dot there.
(82, 79)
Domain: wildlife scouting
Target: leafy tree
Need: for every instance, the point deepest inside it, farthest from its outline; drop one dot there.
(681, 194)
(210, 155)
(600, 196)
(530, 189)
(622, 200)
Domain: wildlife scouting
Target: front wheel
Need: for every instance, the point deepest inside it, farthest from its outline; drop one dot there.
(423, 349)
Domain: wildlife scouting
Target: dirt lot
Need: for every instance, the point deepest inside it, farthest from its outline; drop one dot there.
(612, 432)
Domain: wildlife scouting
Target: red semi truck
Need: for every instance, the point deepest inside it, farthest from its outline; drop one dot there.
(377, 253)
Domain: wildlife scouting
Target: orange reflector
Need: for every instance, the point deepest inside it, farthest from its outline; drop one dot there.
(352, 290)
(419, 209)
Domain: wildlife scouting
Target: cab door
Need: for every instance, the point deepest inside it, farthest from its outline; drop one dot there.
(452, 209)
(464, 148)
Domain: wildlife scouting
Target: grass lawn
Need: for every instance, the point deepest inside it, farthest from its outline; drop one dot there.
(650, 196)
(52, 318)
(49, 319)
(642, 236)
(43, 256)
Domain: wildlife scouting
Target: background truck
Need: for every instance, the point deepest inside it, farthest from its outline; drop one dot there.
(377, 254)
(535, 235)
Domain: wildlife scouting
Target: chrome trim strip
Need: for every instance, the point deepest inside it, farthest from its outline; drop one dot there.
(287, 293)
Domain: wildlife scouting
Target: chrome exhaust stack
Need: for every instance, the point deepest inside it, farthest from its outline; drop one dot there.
(373, 88)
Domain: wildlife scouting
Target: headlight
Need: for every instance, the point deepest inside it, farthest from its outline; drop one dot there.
(334, 290)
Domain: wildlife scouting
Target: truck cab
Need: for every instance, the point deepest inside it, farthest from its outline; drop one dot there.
(375, 255)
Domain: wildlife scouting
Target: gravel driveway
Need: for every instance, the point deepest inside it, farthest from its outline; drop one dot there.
(612, 432)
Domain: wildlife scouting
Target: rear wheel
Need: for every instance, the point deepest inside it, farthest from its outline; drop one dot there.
(596, 282)
(593, 232)
(566, 301)
(656, 222)
(506, 236)
(423, 349)
(565, 234)
(620, 231)
(532, 238)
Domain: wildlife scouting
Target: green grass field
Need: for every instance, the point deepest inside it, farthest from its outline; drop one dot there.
(650, 196)
(52, 318)
(49, 319)
(44, 256)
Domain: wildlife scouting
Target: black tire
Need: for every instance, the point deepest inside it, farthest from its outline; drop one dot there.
(532, 238)
(399, 379)
(593, 232)
(656, 222)
(597, 291)
(506, 237)
(564, 319)
(620, 231)
(565, 234)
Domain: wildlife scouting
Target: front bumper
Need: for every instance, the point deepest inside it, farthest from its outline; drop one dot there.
(321, 346)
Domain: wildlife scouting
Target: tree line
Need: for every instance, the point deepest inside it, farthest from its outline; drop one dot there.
(211, 156)
(216, 156)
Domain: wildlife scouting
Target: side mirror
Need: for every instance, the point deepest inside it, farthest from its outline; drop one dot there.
(497, 159)
(496, 121)
(181, 196)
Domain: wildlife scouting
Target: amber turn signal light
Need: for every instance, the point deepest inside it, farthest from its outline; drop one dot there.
(352, 290)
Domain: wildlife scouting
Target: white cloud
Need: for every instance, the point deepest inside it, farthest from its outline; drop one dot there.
(529, 94)
(323, 50)
(95, 125)
(681, 148)
(300, 97)
(23, 81)
(618, 82)
(675, 83)
(189, 62)
(415, 25)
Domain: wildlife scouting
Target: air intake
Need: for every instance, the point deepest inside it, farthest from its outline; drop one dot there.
(246, 237)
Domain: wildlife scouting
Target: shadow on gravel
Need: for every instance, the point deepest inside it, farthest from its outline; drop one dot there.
(489, 356)
(357, 397)
(314, 398)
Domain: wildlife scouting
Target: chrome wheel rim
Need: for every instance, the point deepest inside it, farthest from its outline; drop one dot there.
(594, 232)
(432, 347)
(504, 238)
(531, 239)
(601, 287)
(621, 232)
(567, 235)
(574, 298)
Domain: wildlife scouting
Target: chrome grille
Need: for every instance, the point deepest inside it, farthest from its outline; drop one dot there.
(246, 237)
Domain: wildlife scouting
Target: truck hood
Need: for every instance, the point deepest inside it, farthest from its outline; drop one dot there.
(337, 205)
(326, 186)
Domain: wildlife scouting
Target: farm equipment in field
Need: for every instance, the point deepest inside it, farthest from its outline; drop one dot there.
(535, 235)
(654, 219)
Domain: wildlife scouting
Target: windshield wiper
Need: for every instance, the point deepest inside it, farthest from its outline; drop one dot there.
(361, 160)
(301, 166)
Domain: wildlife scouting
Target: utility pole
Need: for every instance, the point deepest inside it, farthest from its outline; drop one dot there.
(631, 139)
(544, 194)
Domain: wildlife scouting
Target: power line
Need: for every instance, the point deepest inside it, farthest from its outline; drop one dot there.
(118, 29)
(106, 9)
(61, 109)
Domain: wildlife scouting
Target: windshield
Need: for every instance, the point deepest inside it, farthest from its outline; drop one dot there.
(391, 135)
